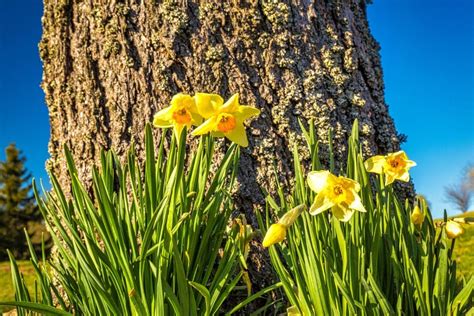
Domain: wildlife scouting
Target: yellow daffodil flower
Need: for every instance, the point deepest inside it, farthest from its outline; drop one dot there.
(454, 229)
(395, 166)
(334, 192)
(182, 112)
(417, 216)
(277, 232)
(224, 119)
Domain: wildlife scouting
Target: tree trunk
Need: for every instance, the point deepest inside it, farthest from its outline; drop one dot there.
(110, 65)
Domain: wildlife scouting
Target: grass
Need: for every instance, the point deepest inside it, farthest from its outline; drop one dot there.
(463, 253)
(7, 293)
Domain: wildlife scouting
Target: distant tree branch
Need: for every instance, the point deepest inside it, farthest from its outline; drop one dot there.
(460, 195)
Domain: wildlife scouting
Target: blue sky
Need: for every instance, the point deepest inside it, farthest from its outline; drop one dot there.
(23, 113)
(428, 62)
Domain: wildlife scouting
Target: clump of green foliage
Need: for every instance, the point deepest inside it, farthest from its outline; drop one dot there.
(380, 262)
(156, 242)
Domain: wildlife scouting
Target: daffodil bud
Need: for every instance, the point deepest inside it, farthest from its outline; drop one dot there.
(291, 215)
(293, 311)
(417, 216)
(275, 234)
(464, 220)
(454, 229)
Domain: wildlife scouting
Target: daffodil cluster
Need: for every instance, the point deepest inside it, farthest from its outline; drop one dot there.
(210, 114)
(340, 194)
(337, 193)
(357, 225)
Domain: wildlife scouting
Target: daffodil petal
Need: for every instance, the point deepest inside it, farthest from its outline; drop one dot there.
(321, 204)
(389, 178)
(208, 104)
(206, 127)
(404, 177)
(350, 184)
(182, 100)
(357, 204)
(163, 118)
(341, 213)
(246, 112)
(178, 129)
(238, 135)
(196, 118)
(410, 163)
(232, 105)
(375, 164)
(317, 180)
(399, 153)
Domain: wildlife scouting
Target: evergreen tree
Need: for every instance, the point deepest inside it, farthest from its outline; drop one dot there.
(18, 209)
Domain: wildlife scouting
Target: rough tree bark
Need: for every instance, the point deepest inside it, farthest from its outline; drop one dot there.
(109, 65)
